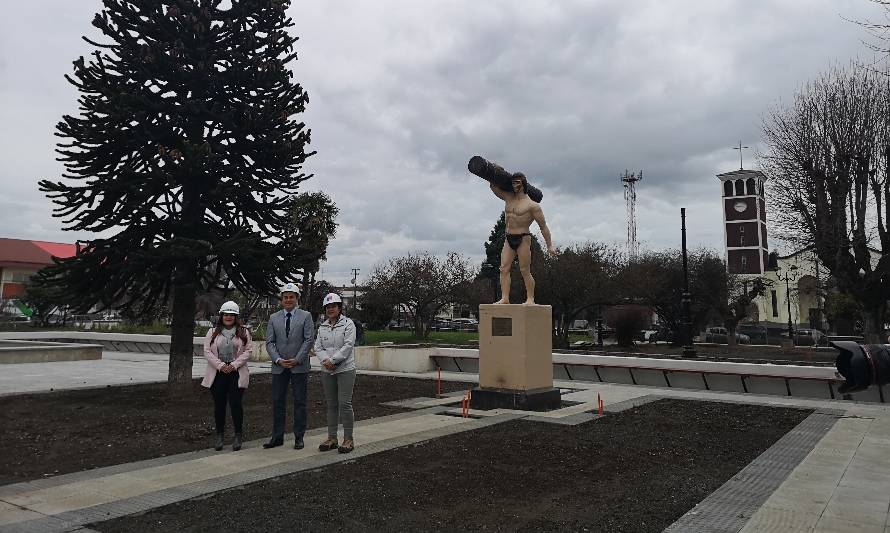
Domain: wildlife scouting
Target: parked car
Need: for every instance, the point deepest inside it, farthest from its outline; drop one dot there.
(399, 324)
(19, 320)
(442, 324)
(644, 334)
(808, 337)
(466, 324)
(661, 334)
(719, 335)
(758, 334)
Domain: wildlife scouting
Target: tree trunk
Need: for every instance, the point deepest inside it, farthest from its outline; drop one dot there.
(182, 330)
(418, 327)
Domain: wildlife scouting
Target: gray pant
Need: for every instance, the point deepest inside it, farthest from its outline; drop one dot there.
(338, 396)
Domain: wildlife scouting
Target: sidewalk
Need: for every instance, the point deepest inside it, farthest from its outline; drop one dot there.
(115, 368)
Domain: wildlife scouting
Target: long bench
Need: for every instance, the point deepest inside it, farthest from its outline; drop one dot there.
(778, 380)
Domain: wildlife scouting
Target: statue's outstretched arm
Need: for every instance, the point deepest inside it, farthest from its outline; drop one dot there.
(545, 231)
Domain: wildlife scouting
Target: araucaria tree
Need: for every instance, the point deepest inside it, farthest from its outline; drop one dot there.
(183, 155)
(829, 162)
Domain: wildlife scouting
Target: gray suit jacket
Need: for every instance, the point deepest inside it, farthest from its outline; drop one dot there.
(296, 345)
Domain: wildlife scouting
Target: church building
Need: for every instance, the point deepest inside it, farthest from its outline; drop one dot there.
(792, 281)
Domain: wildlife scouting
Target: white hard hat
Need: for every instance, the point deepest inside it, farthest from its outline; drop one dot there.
(229, 307)
(332, 298)
(290, 287)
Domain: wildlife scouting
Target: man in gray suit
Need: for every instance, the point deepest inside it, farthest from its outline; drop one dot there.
(289, 337)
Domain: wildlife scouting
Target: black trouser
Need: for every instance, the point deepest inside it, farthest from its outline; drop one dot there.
(225, 390)
(280, 384)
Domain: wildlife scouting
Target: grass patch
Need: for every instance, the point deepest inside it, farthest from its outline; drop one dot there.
(407, 337)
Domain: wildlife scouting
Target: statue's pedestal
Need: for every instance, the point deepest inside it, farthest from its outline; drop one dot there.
(515, 358)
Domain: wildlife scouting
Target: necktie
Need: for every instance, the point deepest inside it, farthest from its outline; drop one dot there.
(287, 326)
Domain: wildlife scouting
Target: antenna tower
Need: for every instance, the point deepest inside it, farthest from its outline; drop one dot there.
(630, 198)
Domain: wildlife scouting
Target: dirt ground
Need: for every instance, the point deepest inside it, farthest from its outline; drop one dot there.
(67, 431)
(636, 471)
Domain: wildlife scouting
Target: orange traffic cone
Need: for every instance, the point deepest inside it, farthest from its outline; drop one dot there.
(465, 404)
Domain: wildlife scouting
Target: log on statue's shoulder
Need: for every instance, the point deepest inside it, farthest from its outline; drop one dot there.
(500, 178)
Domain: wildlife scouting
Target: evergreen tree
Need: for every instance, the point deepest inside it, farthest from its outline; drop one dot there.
(184, 155)
(312, 225)
(495, 242)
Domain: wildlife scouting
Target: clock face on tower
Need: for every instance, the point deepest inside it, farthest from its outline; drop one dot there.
(740, 206)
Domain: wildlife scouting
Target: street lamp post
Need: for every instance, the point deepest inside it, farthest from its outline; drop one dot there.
(355, 272)
(686, 301)
(599, 331)
(490, 271)
(789, 276)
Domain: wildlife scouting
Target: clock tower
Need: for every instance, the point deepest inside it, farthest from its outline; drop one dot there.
(744, 221)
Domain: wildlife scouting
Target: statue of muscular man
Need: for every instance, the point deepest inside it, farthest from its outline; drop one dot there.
(520, 211)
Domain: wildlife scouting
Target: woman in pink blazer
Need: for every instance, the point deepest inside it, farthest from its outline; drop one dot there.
(227, 350)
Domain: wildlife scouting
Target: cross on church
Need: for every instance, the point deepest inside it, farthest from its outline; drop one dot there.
(739, 148)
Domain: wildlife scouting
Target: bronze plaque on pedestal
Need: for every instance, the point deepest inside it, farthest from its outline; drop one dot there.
(501, 327)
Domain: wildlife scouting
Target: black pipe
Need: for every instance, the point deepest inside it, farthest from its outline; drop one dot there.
(862, 365)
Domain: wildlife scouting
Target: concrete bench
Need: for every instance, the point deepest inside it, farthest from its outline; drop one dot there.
(778, 380)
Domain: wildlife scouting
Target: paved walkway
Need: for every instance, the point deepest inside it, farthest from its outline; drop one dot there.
(832, 473)
(843, 485)
(115, 368)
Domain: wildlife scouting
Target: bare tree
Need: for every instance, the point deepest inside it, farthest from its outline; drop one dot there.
(421, 283)
(741, 294)
(880, 33)
(827, 158)
(575, 280)
(655, 279)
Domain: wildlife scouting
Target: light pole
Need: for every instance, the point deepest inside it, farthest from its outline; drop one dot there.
(490, 271)
(789, 276)
(686, 301)
(355, 272)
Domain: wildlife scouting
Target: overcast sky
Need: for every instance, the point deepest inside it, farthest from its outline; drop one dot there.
(403, 93)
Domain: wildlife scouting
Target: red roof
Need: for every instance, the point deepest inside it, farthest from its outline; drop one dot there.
(21, 253)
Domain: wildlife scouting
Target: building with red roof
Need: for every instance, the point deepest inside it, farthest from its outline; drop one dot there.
(21, 259)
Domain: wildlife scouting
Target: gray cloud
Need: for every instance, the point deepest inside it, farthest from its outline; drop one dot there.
(403, 93)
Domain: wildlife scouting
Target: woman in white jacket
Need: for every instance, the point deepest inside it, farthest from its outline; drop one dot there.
(333, 347)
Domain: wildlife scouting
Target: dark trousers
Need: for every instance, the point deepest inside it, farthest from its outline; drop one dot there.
(280, 384)
(225, 390)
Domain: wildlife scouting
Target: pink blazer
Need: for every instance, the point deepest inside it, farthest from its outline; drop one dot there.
(242, 355)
